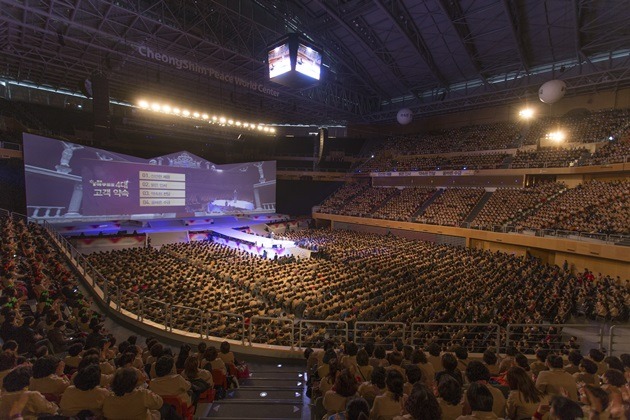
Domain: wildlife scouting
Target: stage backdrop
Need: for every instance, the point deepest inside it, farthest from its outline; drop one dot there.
(66, 181)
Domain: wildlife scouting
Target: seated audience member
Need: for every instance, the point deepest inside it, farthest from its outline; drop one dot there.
(375, 387)
(413, 375)
(598, 356)
(328, 382)
(212, 361)
(226, 354)
(73, 358)
(323, 364)
(392, 402)
(127, 360)
(421, 405)
(524, 397)
(48, 376)
(8, 360)
(462, 357)
(490, 359)
(419, 358)
(560, 408)
(168, 384)
(345, 387)
(480, 401)
(449, 362)
(356, 409)
(540, 363)
(434, 356)
(58, 338)
(551, 382)
(615, 384)
(128, 402)
(380, 357)
(613, 362)
(349, 358)
(587, 372)
(16, 393)
(363, 368)
(596, 404)
(478, 372)
(85, 394)
(395, 363)
(200, 379)
(574, 358)
(450, 393)
(182, 356)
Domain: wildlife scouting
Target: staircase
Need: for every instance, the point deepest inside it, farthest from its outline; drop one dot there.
(427, 203)
(274, 391)
(475, 210)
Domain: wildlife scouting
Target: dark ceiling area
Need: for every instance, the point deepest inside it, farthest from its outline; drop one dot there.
(432, 56)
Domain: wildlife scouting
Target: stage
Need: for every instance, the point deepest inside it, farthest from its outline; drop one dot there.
(250, 233)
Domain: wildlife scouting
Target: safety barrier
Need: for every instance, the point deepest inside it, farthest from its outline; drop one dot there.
(313, 333)
(618, 340)
(553, 336)
(384, 333)
(269, 330)
(448, 333)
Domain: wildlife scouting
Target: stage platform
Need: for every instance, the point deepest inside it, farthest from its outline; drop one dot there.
(248, 233)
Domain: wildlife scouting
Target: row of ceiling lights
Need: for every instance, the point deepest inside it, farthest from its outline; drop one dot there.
(212, 119)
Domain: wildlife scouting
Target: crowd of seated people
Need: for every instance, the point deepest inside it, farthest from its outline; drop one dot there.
(358, 276)
(593, 207)
(365, 203)
(547, 157)
(592, 127)
(387, 162)
(404, 204)
(452, 207)
(614, 152)
(408, 383)
(508, 204)
(342, 195)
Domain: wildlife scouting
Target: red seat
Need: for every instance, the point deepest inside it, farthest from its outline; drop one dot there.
(219, 378)
(184, 410)
(207, 396)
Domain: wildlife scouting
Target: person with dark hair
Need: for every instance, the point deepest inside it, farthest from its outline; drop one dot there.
(200, 379)
(521, 361)
(476, 371)
(587, 372)
(561, 408)
(539, 364)
(395, 363)
(413, 375)
(380, 356)
(551, 381)
(434, 358)
(490, 359)
(184, 352)
(58, 338)
(598, 356)
(345, 387)
(349, 358)
(328, 382)
(574, 357)
(123, 361)
(73, 358)
(212, 360)
(595, 402)
(129, 402)
(324, 365)
(421, 405)
(363, 368)
(392, 402)
(449, 362)
(480, 400)
(419, 358)
(226, 354)
(376, 386)
(462, 357)
(48, 376)
(28, 339)
(625, 359)
(167, 383)
(85, 394)
(356, 409)
(614, 363)
(450, 393)
(155, 352)
(15, 390)
(614, 382)
(12, 345)
(8, 360)
(523, 398)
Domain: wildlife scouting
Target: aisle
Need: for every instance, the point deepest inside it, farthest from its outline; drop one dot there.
(274, 391)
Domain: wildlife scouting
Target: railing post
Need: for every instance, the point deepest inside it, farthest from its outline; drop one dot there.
(300, 335)
(611, 333)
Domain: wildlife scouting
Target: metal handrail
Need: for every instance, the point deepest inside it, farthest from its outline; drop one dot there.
(560, 327)
(284, 320)
(358, 324)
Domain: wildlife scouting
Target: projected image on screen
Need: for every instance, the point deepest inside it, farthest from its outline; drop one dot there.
(309, 61)
(70, 181)
(279, 61)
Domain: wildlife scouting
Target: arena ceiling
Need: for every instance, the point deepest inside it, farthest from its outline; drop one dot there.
(433, 56)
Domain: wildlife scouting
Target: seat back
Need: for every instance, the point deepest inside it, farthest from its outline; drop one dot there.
(186, 412)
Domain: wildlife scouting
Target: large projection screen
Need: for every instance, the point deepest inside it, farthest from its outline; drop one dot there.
(66, 181)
